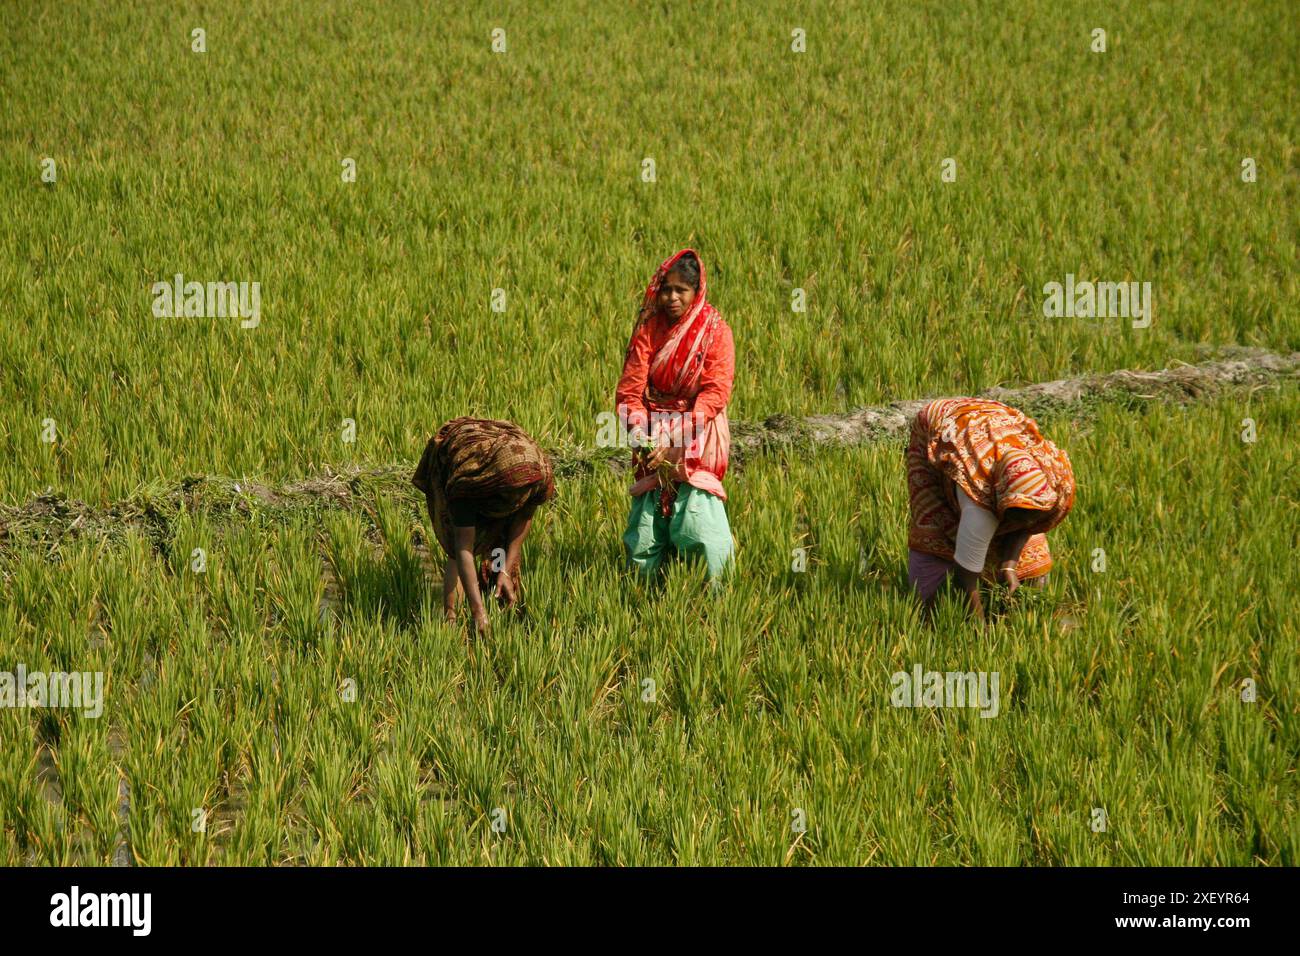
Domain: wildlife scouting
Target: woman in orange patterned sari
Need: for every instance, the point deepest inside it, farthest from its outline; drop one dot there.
(984, 487)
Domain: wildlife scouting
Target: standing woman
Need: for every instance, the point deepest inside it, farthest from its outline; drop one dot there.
(984, 487)
(482, 480)
(673, 396)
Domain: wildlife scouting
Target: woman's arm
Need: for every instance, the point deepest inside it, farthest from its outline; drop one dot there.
(518, 530)
(469, 575)
(1009, 549)
(450, 589)
(717, 378)
(969, 581)
(629, 397)
(975, 529)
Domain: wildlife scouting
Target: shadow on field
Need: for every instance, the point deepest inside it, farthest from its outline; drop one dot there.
(876, 569)
(576, 556)
(392, 584)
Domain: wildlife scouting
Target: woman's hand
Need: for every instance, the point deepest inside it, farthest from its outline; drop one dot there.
(481, 623)
(507, 593)
(656, 450)
(1008, 576)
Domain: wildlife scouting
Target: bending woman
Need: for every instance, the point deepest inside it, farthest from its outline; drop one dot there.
(673, 394)
(482, 480)
(984, 487)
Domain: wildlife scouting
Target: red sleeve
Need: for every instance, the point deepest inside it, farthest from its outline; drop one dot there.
(716, 379)
(631, 385)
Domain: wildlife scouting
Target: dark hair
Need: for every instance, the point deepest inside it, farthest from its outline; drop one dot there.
(689, 267)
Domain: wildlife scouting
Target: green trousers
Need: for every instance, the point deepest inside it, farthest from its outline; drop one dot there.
(697, 528)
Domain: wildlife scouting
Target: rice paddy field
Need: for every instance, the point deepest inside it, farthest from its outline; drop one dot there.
(298, 698)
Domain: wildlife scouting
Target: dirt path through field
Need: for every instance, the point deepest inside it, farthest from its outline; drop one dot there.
(47, 519)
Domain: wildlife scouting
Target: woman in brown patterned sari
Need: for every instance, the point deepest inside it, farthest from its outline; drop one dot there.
(482, 480)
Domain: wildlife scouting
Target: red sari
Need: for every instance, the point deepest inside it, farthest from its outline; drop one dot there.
(676, 382)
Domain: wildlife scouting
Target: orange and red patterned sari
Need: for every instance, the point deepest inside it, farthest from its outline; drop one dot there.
(997, 455)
